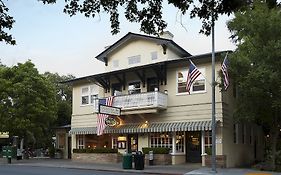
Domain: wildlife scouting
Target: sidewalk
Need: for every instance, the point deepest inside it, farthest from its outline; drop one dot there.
(115, 167)
(183, 169)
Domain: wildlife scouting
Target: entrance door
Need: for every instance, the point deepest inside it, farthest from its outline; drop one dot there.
(193, 147)
(132, 143)
(69, 147)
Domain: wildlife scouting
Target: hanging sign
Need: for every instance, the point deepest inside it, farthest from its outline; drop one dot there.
(110, 121)
(109, 110)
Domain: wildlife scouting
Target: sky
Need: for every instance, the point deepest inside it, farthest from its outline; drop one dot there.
(55, 42)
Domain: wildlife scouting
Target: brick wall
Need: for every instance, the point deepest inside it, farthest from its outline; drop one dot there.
(220, 160)
(159, 159)
(97, 157)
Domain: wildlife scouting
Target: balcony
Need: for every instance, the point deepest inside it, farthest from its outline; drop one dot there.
(148, 102)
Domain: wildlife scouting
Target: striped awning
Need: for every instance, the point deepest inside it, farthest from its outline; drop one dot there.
(147, 128)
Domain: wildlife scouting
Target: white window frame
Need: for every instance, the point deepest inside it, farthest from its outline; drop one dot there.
(154, 55)
(182, 144)
(200, 77)
(115, 64)
(92, 92)
(80, 141)
(129, 90)
(136, 59)
(160, 140)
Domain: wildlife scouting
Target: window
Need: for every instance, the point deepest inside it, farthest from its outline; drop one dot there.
(134, 88)
(163, 140)
(134, 59)
(114, 143)
(154, 55)
(80, 141)
(244, 134)
(89, 95)
(115, 64)
(208, 141)
(180, 142)
(199, 85)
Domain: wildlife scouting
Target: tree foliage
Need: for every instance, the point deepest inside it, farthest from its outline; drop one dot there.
(147, 13)
(28, 103)
(255, 67)
(63, 97)
(6, 23)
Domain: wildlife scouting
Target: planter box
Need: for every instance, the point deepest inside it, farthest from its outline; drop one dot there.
(97, 157)
(159, 159)
(220, 160)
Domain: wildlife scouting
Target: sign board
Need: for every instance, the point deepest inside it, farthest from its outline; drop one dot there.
(109, 110)
(110, 121)
(4, 135)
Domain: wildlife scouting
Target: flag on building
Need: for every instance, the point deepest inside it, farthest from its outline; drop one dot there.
(193, 73)
(224, 68)
(101, 117)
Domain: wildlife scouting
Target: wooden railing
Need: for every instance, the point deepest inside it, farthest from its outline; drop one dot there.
(140, 101)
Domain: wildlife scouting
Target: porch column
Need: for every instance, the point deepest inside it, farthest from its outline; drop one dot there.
(174, 143)
(203, 154)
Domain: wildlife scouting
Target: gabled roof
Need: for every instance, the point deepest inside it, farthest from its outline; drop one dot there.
(154, 66)
(133, 36)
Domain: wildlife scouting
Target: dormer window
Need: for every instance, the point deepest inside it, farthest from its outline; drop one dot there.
(115, 64)
(134, 59)
(154, 55)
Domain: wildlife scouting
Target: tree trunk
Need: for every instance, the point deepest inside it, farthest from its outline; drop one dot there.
(274, 133)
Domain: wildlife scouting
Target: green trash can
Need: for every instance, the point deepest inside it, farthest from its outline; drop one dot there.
(127, 161)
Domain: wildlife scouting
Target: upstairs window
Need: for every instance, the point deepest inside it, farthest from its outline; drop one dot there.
(199, 85)
(154, 55)
(134, 88)
(89, 95)
(115, 64)
(134, 59)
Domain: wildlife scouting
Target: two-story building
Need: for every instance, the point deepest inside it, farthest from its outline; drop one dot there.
(147, 76)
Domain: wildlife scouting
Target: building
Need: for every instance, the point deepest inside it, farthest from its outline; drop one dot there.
(147, 76)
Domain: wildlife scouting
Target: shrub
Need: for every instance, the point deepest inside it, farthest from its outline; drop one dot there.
(97, 150)
(156, 150)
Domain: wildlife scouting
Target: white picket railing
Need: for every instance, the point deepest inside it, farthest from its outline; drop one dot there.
(140, 101)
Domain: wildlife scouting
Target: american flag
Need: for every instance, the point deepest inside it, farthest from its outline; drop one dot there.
(224, 68)
(101, 117)
(193, 73)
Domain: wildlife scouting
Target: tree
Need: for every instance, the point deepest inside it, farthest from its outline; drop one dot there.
(6, 22)
(147, 13)
(28, 103)
(255, 68)
(63, 97)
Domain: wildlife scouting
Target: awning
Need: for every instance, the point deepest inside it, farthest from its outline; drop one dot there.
(147, 128)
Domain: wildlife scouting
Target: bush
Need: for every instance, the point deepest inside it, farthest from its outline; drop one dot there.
(97, 150)
(156, 150)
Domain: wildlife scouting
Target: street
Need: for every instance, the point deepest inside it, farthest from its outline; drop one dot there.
(30, 170)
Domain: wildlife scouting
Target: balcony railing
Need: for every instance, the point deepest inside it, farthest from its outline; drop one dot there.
(156, 100)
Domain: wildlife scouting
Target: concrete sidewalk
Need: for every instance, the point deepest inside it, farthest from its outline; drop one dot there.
(114, 167)
(187, 169)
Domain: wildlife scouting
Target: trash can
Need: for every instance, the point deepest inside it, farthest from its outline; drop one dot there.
(127, 161)
(139, 160)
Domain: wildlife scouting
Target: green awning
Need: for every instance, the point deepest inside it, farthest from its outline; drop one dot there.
(150, 127)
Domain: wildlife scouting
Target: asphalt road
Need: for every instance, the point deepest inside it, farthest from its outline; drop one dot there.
(29, 170)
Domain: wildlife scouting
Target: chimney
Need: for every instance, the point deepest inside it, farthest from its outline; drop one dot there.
(167, 35)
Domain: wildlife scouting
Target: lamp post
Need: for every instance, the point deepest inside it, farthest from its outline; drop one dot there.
(213, 99)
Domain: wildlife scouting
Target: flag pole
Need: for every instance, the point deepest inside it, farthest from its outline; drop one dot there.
(213, 98)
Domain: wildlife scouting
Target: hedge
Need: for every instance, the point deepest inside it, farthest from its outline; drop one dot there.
(96, 150)
(156, 150)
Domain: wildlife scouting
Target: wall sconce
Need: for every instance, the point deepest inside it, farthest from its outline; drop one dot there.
(166, 91)
(156, 89)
